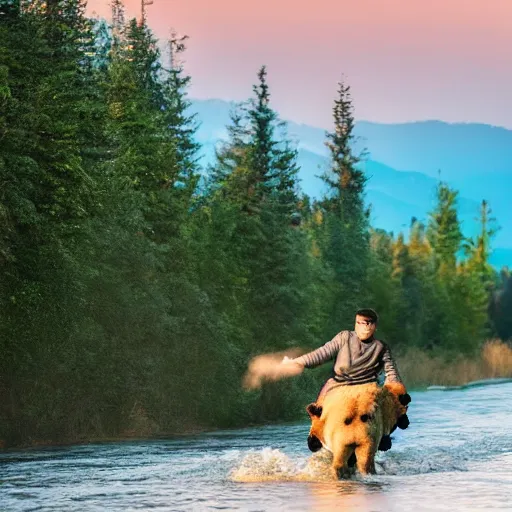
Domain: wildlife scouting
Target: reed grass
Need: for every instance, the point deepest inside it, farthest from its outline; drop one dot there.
(420, 369)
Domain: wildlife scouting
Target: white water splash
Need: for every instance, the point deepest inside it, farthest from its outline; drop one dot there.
(273, 465)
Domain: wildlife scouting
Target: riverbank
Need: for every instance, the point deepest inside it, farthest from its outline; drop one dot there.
(132, 437)
(420, 369)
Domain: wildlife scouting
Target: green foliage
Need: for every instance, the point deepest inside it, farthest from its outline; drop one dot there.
(132, 297)
(443, 231)
(344, 237)
(346, 181)
(262, 256)
(478, 250)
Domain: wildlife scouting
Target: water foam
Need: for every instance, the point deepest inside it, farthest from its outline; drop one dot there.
(273, 465)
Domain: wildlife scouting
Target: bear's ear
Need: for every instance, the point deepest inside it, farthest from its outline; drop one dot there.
(314, 410)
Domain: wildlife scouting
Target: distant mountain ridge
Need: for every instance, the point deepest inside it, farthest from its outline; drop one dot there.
(397, 195)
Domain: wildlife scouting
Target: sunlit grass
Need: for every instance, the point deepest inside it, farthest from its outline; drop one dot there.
(420, 369)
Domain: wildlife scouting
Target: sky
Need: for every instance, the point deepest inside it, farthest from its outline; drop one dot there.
(405, 60)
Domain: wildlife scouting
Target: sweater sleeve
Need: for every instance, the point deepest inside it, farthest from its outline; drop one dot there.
(390, 368)
(321, 355)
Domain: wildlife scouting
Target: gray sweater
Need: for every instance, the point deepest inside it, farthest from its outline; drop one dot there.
(356, 361)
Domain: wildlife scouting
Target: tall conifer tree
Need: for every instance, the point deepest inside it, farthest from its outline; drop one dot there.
(346, 238)
(444, 232)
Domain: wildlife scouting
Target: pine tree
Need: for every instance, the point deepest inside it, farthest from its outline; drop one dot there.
(346, 238)
(478, 250)
(384, 292)
(180, 124)
(477, 277)
(227, 177)
(273, 162)
(421, 291)
(417, 310)
(255, 175)
(461, 298)
(443, 231)
(46, 194)
(401, 264)
(134, 113)
(45, 186)
(345, 180)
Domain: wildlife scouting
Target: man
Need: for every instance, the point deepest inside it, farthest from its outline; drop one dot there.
(359, 356)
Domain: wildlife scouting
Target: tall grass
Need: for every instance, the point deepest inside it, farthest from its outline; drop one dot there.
(420, 369)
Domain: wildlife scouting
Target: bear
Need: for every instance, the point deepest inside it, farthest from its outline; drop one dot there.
(354, 421)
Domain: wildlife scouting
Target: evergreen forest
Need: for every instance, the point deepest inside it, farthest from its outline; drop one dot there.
(136, 286)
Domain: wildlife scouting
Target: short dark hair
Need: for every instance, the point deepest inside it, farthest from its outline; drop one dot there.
(368, 313)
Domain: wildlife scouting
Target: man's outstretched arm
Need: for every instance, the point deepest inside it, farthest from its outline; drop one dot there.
(320, 355)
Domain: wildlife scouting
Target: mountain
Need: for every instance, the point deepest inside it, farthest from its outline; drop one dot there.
(394, 190)
(459, 150)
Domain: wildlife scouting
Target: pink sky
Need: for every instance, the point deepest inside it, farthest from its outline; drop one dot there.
(404, 59)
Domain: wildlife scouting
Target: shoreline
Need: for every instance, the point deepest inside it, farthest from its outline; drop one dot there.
(127, 438)
(189, 432)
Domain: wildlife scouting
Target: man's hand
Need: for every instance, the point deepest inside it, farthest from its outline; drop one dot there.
(271, 367)
(292, 367)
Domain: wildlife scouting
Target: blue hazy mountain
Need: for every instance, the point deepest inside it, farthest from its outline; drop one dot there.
(403, 167)
(459, 150)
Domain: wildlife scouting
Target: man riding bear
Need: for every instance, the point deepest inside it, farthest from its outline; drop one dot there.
(359, 358)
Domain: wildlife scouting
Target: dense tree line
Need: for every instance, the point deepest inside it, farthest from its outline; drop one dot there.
(136, 286)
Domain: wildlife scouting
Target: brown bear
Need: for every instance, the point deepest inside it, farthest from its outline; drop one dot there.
(352, 421)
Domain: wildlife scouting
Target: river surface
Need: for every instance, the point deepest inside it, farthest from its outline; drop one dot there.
(456, 455)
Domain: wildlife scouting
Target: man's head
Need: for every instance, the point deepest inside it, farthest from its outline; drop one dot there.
(366, 323)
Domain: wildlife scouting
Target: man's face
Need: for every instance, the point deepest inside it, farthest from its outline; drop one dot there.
(364, 328)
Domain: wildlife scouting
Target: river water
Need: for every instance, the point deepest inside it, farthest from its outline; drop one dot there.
(456, 455)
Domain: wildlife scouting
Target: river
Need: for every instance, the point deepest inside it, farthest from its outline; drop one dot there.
(456, 455)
